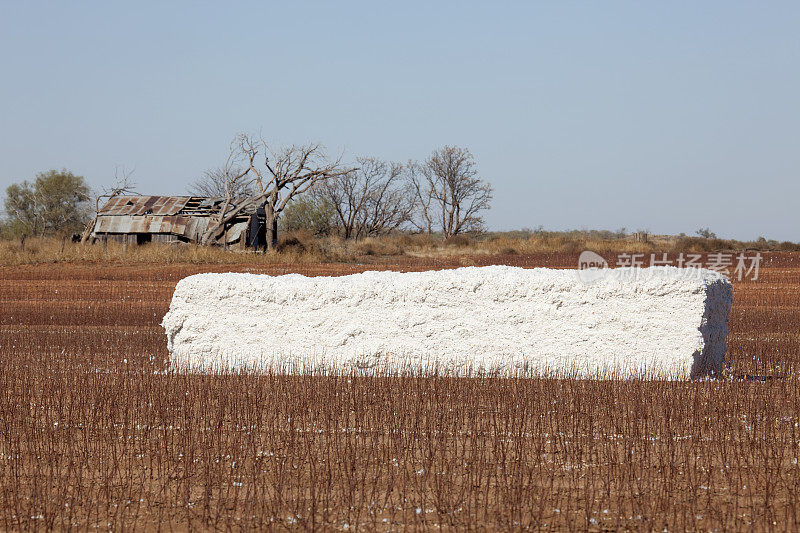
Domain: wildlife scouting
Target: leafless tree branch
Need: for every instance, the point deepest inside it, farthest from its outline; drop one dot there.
(274, 176)
(371, 199)
(448, 188)
(123, 184)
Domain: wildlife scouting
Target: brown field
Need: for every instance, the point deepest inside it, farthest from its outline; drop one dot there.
(95, 434)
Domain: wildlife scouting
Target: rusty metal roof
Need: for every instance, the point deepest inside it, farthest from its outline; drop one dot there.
(185, 216)
(145, 205)
(178, 225)
(190, 227)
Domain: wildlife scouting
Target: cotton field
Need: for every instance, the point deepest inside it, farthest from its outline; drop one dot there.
(97, 431)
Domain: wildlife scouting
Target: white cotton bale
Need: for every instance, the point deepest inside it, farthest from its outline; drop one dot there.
(655, 323)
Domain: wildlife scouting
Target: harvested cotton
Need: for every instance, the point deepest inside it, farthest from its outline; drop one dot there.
(655, 323)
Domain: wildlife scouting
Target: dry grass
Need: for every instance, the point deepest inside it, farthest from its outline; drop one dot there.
(50, 250)
(94, 433)
(301, 247)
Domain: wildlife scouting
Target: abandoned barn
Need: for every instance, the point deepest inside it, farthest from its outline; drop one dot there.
(143, 219)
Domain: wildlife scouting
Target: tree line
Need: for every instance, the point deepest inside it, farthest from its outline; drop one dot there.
(297, 186)
(304, 188)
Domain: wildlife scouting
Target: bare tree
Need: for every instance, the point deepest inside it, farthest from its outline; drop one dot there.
(449, 192)
(275, 176)
(372, 199)
(391, 203)
(421, 218)
(122, 185)
(214, 181)
(230, 181)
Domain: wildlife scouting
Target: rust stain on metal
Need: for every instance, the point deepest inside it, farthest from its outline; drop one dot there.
(144, 205)
(180, 225)
(187, 217)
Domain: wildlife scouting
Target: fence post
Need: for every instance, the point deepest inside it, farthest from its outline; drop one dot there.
(22, 242)
(63, 243)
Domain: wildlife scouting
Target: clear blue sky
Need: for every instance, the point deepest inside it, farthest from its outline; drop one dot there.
(659, 115)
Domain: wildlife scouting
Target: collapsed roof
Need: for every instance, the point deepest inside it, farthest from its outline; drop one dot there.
(186, 217)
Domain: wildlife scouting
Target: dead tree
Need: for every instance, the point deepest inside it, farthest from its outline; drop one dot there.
(231, 182)
(276, 175)
(219, 182)
(449, 192)
(390, 205)
(122, 185)
(421, 217)
(370, 200)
